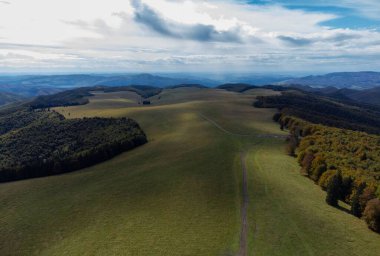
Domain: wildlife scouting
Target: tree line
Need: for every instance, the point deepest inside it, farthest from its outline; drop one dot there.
(346, 164)
(330, 144)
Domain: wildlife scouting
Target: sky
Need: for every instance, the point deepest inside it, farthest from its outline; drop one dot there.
(259, 36)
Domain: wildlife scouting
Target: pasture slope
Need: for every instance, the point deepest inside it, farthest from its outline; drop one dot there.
(180, 194)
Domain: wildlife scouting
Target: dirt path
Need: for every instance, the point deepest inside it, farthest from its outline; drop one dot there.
(243, 250)
(243, 247)
(221, 128)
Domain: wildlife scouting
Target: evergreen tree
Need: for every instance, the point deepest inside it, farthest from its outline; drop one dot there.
(334, 190)
(356, 208)
(346, 188)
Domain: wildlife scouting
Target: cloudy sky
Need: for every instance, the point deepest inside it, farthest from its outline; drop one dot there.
(273, 36)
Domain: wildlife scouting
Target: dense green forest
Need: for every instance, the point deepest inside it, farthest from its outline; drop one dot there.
(52, 145)
(322, 110)
(35, 141)
(344, 162)
(23, 117)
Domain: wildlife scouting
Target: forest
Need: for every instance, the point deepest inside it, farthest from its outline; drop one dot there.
(323, 110)
(343, 162)
(23, 117)
(52, 145)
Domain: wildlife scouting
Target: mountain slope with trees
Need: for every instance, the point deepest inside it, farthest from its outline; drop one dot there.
(323, 110)
(327, 139)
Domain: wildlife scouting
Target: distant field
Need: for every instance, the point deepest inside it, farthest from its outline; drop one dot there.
(180, 194)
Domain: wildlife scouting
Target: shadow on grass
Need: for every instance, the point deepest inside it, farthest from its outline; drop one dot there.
(343, 209)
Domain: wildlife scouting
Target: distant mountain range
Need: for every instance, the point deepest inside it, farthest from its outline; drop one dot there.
(352, 80)
(362, 87)
(72, 81)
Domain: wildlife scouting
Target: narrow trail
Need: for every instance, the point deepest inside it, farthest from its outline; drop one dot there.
(243, 250)
(243, 247)
(221, 128)
(276, 136)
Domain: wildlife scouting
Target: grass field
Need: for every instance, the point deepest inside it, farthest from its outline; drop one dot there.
(289, 215)
(180, 194)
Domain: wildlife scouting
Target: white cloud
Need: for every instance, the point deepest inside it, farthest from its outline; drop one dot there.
(167, 35)
(366, 8)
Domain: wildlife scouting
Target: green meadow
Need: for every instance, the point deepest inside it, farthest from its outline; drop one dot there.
(181, 193)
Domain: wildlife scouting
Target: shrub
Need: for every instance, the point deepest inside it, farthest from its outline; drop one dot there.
(306, 163)
(325, 178)
(292, 145)
(371, 214)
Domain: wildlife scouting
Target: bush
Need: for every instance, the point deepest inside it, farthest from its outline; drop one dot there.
(325, 178)
(371, 214)
(306, 163)
(292, 145)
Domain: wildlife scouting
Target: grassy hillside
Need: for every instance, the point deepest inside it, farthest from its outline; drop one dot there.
(180, 194)
(290, 217)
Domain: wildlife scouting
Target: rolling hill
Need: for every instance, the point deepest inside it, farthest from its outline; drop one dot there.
(34, 85)
(181, 193)
(368, 96)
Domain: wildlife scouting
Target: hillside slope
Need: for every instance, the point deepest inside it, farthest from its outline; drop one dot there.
(7, 98)
(323, 110)
(181, 193)
(368, 96)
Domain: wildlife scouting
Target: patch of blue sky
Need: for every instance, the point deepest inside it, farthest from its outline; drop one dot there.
(346, 17)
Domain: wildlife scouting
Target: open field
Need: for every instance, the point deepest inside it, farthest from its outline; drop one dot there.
(181, 193)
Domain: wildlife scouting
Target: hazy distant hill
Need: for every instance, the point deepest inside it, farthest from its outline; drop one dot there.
(367, 96)
(360, 80)
(40, 85)
(7, 98)
(28, 91)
